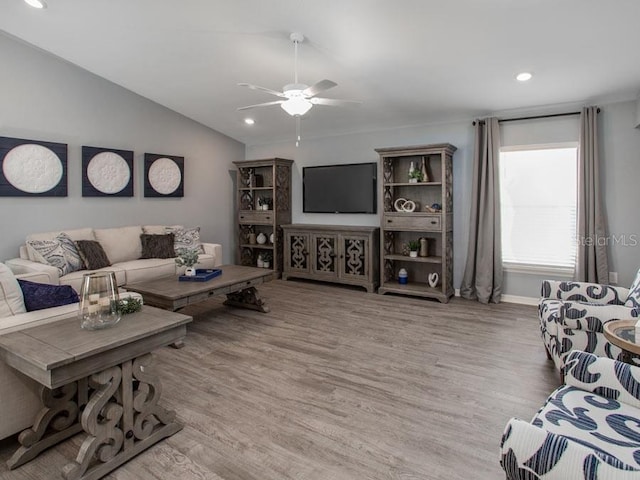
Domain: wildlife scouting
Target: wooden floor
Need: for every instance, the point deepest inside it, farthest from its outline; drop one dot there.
(335, 383)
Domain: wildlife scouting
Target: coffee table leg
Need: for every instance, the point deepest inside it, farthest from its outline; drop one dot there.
(247, 298)
(122, 418)
(57, 421)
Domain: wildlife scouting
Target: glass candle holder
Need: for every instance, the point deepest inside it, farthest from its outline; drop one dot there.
(99, 301)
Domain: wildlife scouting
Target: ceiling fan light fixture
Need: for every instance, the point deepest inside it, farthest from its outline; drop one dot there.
(36, 3)
(249, 121)
(296, 106)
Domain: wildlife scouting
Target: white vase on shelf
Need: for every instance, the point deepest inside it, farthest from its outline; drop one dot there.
(261, 238)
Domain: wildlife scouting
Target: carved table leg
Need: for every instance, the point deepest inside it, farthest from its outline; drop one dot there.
(122, 418)
(247, 298)
(57, 421)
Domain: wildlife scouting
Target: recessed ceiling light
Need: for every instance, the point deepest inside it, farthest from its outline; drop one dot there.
(37, 3)
(249, 121)
(523, 77)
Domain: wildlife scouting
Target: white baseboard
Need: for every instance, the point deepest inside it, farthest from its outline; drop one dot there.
(512, 299)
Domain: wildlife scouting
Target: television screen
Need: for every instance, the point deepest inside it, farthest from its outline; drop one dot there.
(347, 188)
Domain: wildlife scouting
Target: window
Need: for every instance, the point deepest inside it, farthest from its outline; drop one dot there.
(538, 195)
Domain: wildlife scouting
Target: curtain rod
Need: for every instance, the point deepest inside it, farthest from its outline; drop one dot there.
(534, 117)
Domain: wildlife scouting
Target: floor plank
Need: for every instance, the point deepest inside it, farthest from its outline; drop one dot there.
(336, 383)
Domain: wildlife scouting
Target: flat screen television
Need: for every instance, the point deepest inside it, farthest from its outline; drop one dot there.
(344, 188)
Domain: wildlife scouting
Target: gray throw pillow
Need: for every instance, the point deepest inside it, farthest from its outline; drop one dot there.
(92, 254)
(157, 246)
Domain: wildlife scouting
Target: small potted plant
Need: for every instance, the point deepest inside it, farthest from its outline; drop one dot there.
(415, 176)
(188, 257)
(266, 260)
(414, 246)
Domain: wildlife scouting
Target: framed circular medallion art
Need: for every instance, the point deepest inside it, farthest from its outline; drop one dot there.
(163, 175)
(107, 172)
(32, 168)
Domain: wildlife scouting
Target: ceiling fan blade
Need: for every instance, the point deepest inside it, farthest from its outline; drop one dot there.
(276, 102)
(262, 89)
(321, 86)
(332, 102)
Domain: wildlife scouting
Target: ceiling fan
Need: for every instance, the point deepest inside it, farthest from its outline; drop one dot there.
(298, 98)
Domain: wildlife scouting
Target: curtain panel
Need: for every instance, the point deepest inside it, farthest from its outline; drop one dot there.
(482, 278)
(591, 258)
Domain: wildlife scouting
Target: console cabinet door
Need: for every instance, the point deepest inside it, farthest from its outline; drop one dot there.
(297, 252)
(325, 255)
(354, 257)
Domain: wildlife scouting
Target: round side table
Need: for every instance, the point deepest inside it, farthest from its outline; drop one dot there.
(622, 334)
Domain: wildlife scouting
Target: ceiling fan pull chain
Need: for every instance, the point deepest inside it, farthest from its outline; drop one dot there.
(297, 131)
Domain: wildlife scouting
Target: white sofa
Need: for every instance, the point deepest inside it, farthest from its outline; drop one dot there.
(123, 247)
(19, 395)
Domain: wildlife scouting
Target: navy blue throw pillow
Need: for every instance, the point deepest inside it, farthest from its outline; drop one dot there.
(38, 296)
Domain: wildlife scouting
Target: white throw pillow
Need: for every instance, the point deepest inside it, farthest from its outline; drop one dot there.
(633, 299)
(11, 299)
(120, 244)
(74, 234)
(59, 252)
(186, 238)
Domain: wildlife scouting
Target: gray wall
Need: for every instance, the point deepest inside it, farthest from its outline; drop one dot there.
(620, 150)
(44, 98)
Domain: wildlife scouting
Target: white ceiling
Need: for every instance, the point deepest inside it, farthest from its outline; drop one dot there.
(410, 62)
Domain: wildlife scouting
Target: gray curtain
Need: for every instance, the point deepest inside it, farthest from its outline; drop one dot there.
(591, 259)
(483, 272)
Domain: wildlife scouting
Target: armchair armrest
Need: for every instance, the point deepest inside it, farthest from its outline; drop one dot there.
(591, 317)
(526, 450)
(214, 249)
(603, 376)
(585, 292)
(21, 266)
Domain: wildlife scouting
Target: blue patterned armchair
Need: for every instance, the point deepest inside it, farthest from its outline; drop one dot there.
(588, 429)
(572, 315)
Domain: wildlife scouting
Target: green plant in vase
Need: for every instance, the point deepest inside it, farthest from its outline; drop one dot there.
(414, 246)
(188, 257)
(266, 260)
(415, 176)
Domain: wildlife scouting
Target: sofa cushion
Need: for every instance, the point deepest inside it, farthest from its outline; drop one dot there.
(38, 296)
(11, 298)
(49, 252)
(75, 278)
(186, 238)
(121, 243)
(74, 234)
(633, 300)
(92, 254)
(59, 252)
(148, 269)
(159, 229)
(157, 246)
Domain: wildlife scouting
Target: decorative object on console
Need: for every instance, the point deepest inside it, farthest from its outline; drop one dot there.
(32, 167)
(99, 301)
(415, 176)
(163, 175)
(157, 246)
(261, 238)
(433, 279)
(188, 257)
(404, 205)
(403, 276)
(38, 296)
(266, 260)
(414, 246)
(107, 172)
(424, 247)
(92, 254)
(252, 238)
(423, 169)
(260, 261)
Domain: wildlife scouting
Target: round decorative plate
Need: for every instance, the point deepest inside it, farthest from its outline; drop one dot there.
(108, 172)
(32, 168)
(165, 176)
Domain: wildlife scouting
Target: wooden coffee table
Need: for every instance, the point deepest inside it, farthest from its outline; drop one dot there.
(238, 283)
(103, 382)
